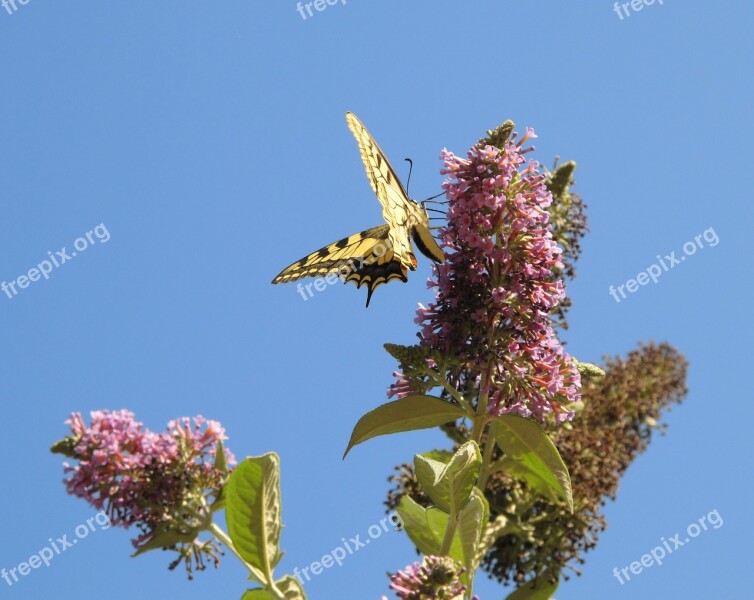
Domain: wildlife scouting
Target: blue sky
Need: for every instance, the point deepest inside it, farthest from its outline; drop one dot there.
(210, 141)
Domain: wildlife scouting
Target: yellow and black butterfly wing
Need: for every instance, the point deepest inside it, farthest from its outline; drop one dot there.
(365, 258)
(397, 207)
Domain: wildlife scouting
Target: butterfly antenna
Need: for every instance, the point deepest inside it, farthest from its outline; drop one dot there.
(410, 168)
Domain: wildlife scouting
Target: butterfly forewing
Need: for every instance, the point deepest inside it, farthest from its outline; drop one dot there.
(396, 205)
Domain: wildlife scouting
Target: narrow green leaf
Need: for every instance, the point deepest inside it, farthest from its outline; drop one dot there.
(222, 465)
(449, 485)
(526, 443)
(526, 592)
(252, 508)
(166, 540)
(407, 414)
(471, 523)
(220, 462)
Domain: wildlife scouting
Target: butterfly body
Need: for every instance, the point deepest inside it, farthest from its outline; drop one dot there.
(380, 254)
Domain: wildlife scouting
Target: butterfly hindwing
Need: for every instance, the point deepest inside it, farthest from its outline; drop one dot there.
(365, 258)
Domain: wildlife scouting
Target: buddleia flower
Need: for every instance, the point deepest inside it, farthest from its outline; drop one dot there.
(161, 483)
(499, 285)
(434, 578)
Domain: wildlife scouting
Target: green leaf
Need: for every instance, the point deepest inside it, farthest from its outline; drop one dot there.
(437, 520)
(442, 456)
(532, 479)
(221, 465)
(427, 538)
(538, 460)
(407, 414)
(427, 473)
(257, 594)
(220, 462)
(426, 528)
(252, 509)
(471, 523)
(526, 592)
(291, 588)
(449, 485)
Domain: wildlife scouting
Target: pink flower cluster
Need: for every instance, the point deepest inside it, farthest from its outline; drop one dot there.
(497, 288)
(436, 577)
(142, 477)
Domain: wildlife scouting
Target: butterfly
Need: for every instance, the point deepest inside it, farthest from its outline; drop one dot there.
(380, 254)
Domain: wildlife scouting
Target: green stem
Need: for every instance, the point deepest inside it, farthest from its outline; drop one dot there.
(481, 418)
(450, 532)
(478, 429)
(454, 392)
(489, 449)
(480, 422)
(440, 379)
